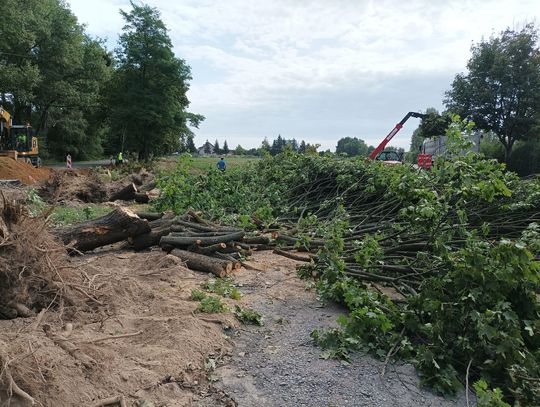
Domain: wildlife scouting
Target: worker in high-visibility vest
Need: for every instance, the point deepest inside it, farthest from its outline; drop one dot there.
(120, 158)
(21, 142)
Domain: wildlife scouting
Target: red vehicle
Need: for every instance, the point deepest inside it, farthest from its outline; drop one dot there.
(392, 157)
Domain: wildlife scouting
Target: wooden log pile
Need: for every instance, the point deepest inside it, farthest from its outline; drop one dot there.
(202, 245)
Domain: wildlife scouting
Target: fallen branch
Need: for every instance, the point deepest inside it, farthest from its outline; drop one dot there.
(110, 338)
(292, 255)
(14, 388)
(70, 348)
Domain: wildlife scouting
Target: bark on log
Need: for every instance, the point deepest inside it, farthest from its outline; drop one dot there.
(141, 197)
(292, 255)
(207, 264)
(208, 249)
(256, 240)
(125, 194)
(165, 220)
(152, 238)
(148, 187)
(185, 241)
(150, 215)
(111, 228)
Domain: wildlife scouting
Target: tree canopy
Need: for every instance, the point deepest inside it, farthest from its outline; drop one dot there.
(501, 90)
(351, 146)
(148, 90)
(52, 75)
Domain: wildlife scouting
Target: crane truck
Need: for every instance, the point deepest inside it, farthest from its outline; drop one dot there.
(392, 157)
(17, 141)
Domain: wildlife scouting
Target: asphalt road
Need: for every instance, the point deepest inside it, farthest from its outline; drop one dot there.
(81, 164)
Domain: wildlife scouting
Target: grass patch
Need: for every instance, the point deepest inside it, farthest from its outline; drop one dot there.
(65, 216)
(223, 287)
(203, 164)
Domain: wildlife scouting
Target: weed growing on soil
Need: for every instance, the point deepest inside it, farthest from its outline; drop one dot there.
(197, 295)
(211, 304)
(223, 287)
(248, 316)
(65, 216)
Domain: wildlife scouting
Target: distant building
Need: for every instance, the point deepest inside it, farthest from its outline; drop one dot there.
(206, 149)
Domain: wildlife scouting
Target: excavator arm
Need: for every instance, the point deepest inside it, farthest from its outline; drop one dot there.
(394, 131)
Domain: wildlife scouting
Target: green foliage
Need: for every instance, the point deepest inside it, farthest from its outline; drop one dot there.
(197, 295)
(467, 288)
(147, 94)
(52, 75)
(501, 91)
(211, 305)
(248, 316)
(352, 147)
(35, 204)
(223, 287)
(487, 397)
(65, 216)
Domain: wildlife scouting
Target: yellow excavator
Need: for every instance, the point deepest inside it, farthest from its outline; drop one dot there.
(17, 141)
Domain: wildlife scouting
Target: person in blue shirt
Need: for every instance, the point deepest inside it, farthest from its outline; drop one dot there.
(221, 164)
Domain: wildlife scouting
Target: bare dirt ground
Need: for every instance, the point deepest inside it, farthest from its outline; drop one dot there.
(169, 360)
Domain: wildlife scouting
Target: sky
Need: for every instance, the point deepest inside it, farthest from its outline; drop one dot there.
(316, 70)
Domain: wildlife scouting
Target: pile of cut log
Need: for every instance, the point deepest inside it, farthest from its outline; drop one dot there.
(202, 245)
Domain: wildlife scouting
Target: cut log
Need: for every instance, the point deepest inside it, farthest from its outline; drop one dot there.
(111, 228)
(150, 239)
(150, 215)
(204, 263)
(208, 249)
(148, 187)
(185, 241)
(166, 220)
(125, 194)
(141, 197)
(256, 240)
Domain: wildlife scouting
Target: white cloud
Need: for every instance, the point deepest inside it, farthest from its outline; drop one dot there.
(258, 60)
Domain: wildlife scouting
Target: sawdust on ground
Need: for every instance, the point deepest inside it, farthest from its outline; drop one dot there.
(11, 169)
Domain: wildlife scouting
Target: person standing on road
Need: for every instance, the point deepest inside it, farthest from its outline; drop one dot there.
(120, 158)
(221, 164)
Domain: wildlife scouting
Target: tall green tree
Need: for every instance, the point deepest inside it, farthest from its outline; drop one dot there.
(501, 90)
(52, 75)
(351, 146)
(148, 91)
(225, 149)
(217, 148)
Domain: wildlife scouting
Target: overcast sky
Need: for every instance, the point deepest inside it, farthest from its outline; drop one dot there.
(316, 70)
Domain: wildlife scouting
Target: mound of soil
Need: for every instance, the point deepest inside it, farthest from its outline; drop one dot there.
(11, 169)
(73, 186)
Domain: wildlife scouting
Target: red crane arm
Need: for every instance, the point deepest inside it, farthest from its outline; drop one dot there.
(394, 131)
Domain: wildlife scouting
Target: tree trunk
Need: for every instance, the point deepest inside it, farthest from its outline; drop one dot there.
(141, 197)
(150, 239)
(207, 264)
(125, 194)
(150, 215)
(185, 241)
(111, 228)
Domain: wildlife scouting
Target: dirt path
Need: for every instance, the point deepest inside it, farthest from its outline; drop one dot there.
(277, 364)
